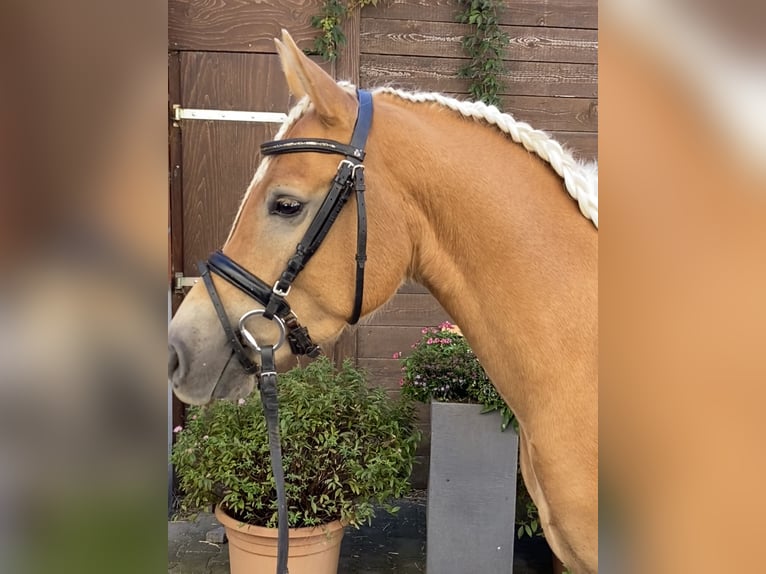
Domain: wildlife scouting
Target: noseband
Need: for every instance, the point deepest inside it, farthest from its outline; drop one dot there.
(349, 178)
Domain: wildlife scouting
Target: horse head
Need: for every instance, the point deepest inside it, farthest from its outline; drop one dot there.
(284, 197)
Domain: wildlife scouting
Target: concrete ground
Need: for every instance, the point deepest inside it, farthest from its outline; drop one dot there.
(391, 544)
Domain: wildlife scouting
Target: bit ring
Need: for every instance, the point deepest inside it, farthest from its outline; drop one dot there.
(248, 336)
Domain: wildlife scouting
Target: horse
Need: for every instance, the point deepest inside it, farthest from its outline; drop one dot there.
(495, 218)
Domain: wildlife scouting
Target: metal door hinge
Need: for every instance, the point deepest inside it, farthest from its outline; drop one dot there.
(180, 282)
(180, 113)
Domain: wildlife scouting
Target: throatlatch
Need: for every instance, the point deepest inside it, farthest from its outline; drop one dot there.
(349, 178)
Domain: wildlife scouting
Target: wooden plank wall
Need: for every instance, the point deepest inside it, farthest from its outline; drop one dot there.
(235, 26)
(551, 62)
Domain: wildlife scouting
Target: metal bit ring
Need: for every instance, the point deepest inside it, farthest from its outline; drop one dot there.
(248, 336)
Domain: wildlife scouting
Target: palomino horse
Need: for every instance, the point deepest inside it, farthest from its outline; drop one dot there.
(457, 204)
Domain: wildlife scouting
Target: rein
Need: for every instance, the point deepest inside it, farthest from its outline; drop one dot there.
(349, 178)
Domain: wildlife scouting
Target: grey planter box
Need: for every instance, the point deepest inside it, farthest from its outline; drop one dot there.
(471, 492)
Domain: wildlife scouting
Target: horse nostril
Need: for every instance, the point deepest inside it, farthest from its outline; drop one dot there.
(174, 364)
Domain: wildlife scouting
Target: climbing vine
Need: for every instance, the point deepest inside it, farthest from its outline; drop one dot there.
(484, 47)
(329, 22)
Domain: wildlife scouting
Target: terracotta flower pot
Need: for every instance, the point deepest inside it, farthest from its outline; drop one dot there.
(253, 549)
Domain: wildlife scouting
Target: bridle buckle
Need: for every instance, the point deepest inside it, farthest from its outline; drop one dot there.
(280, 292)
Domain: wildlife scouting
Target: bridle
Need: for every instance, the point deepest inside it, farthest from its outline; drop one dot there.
(348, 178)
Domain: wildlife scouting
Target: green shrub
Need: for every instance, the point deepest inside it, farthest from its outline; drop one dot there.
(346, 447)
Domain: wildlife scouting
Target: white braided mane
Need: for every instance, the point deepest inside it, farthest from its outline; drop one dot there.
(580, 179)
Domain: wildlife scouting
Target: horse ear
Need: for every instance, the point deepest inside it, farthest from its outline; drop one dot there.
(304, 77)
(293, 83)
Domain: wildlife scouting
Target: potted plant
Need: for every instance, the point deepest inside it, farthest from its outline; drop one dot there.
(473, 466)
(346, 449)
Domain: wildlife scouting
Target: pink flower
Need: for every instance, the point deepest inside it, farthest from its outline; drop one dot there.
(241, 402)
(430, 341)
(445, 325)
(396, 355)
(178, 429)
(424, 330)
(401, 382)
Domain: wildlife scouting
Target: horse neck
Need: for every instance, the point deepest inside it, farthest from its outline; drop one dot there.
(504, 249)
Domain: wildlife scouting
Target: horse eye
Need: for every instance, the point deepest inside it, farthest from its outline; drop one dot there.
(286, 207)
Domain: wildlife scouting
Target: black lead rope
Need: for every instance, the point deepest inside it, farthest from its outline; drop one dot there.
(267, 384)
(270, 401)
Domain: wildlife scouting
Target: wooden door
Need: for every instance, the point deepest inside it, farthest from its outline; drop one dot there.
(219, 158)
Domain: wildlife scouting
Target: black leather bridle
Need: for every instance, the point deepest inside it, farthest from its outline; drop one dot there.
(349, 178)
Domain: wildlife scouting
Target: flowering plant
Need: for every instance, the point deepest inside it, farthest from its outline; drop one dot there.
(442, 367)
(345, 447)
